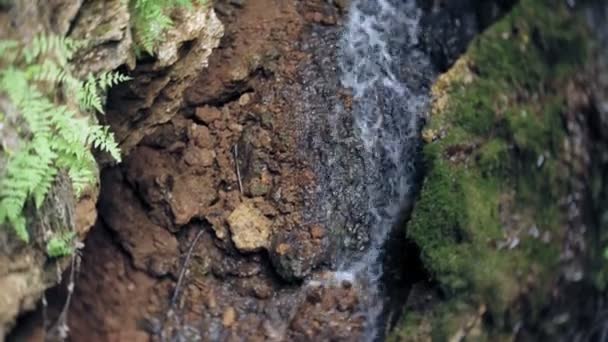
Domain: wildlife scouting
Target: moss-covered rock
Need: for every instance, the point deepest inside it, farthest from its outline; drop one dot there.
(491, 218)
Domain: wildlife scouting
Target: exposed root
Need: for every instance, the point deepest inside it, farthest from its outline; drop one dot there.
(238, 171)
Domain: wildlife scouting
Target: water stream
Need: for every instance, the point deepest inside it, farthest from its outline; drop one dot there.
(382, 63)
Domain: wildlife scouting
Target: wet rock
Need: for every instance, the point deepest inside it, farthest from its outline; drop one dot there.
(260, 186)
(207, 114)
(250, 229)
(342, 5)
(317, 232)
(262, 290)
(294, 254)
(230, 266)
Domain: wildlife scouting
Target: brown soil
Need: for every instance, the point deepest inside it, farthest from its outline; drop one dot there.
(235, 142)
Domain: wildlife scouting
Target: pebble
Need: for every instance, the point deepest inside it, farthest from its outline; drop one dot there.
(207, 114)
(244, 99)
(317, 232)
(229, 317)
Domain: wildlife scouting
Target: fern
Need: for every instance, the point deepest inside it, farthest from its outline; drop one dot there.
(151, 19)
(53, 136)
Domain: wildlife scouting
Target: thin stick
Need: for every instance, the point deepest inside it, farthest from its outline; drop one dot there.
(180, 280)
(182, 272)
(238, 171)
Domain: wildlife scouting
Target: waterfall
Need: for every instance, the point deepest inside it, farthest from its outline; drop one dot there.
(381, 62)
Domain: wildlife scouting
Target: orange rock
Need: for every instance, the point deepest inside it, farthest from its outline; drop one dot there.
(317, 232)
(229, 317)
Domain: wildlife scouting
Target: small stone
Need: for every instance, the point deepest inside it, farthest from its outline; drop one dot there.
(262, 291)
(317, 232)
(131, 287)
(250, 228)
(207, 157)
(211, 302)
(207, 114)
(244, 99)
(202, 157)
(235, 127)
(266, 119)
(201, 136)
(229, 317)
(329, 20)
(342, 5)
(429, 135)
(317, 17)
(546, 237)
(257, 187)
(282, 249)
(239, 73)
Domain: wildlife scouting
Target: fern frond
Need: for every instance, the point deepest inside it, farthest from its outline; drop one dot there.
(101, 138)
(52, 136)
(8, 50)
(62, 48)
(88, 96)
(109, 79)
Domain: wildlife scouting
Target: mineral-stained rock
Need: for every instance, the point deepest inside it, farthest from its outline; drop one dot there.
(294, 254)
(155, 95)
(207, 114)
(104, 25)
(190, 196)
(152, 248)
(250, 229)
(189, 23)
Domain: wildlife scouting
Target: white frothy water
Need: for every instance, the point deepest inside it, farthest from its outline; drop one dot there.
(382, 64)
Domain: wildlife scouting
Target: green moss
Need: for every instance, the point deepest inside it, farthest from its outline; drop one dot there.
(496, 174)
(60, 244)
(493, 158)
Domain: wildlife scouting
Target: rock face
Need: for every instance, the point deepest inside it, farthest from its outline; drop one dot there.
(25, 270)
(104, 25)
(250, 229)
(156, 94)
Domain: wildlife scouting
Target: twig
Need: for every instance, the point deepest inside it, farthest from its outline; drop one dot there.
(182, 272)
(180, 280)
(238, 171)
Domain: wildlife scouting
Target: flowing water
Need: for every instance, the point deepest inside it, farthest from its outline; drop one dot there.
(382, 63)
